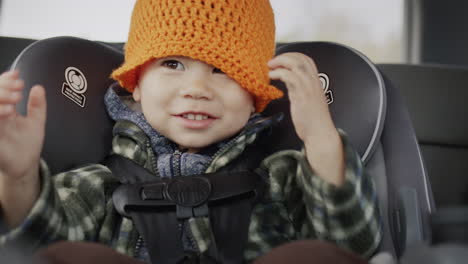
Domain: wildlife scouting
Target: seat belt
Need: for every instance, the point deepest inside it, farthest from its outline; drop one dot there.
(158, 206)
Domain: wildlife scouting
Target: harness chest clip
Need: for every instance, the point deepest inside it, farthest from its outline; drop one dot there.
(189, 194)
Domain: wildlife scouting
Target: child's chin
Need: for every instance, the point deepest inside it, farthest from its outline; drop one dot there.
(194, 145)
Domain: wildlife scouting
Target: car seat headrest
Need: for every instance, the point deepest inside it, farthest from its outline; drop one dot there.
(75, 73)
(354, 89)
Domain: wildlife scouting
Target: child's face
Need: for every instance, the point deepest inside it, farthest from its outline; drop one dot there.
(192, 103)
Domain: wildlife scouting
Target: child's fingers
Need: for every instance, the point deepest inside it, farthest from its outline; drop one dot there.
(10, 89)
(282, 74)
(17, 85)
(11, 84)
(7, 79)
(37, 104)
(281, 61)
(290, 78)
(6, 110)
(293, 61)
(8, 96)
(13, 74)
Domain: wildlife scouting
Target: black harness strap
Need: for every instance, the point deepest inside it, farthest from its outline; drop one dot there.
(158, 207)
(147, 191)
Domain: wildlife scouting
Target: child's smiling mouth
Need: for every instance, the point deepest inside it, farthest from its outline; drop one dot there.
(196, 120)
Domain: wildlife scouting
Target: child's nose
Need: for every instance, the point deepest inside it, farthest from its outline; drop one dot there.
(197, 89)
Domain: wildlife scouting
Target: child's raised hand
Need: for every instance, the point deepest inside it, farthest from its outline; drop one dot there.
(309, 109)
(310, 114)
(21, 137)
(21, 140)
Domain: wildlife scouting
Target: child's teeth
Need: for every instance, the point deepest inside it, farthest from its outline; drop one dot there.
(197, 117)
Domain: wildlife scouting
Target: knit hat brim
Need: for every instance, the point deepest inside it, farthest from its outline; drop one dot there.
(128, 73)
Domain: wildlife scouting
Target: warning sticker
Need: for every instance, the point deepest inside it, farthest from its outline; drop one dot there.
(75, 86)
(79, 99)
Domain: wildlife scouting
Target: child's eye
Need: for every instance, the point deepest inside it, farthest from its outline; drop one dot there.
(173, 64)
(217, 70)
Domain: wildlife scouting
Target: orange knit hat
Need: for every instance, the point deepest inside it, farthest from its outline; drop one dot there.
(236, 36)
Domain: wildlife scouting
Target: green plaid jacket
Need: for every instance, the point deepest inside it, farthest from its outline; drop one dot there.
(77, 205)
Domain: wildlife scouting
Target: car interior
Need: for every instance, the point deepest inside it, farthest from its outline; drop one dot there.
(406, 120)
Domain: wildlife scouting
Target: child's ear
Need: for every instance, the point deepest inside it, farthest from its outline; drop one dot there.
(137, 94)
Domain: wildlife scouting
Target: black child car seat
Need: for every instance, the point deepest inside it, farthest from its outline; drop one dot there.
(367, 107)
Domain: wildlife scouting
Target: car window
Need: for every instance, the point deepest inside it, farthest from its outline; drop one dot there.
(374, 27)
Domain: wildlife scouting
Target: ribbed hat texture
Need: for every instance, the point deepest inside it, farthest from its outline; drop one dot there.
(236, 36)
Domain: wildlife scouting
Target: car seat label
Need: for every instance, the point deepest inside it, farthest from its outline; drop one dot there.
(326, 87)
(75, 86)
